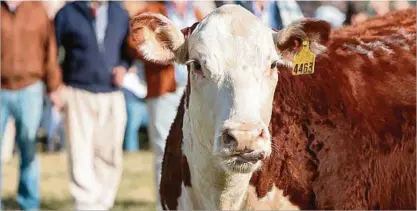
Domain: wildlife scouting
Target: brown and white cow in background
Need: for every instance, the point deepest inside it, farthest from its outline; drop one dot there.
(250, 135)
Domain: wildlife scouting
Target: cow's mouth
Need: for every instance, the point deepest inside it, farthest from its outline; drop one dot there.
(243, 162)
(250, 156)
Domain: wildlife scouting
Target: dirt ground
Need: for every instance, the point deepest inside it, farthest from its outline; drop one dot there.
(136, 191)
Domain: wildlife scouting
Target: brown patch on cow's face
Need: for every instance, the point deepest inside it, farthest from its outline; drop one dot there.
(187, 32)
(186, 172)
(175, 170)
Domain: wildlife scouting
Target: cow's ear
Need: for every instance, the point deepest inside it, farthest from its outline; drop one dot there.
(289, 40)
(156, 38)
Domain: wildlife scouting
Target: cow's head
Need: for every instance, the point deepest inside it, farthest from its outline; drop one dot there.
(234, 61)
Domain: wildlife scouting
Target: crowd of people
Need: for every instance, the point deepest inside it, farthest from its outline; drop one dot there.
(71, 68)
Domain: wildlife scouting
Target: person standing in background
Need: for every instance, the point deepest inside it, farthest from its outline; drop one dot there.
(309, 7)
(354, 13)
(165, 83)
(358, 11)
(331, 14)
(277, 14)
(205, 7)
(134, 90)
(93, 35)
(28, 57)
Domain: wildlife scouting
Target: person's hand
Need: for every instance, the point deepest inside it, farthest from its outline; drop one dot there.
(56, 98)
(118, 75)
(133, 69)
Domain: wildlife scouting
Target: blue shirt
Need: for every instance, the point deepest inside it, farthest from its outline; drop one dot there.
(100, 24)
(93, 46)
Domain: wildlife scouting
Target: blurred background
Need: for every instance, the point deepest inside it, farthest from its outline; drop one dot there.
(147, 108)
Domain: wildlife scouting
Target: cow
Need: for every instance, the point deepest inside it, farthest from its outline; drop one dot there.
(251, 133)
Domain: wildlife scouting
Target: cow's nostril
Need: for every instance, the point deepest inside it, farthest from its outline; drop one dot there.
(263, 134)
(262, 155)
(228, 138)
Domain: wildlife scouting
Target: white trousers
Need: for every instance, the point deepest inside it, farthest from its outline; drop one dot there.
(95, 127)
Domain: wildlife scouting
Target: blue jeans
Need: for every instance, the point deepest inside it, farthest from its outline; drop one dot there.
(25, 105)
(137, 116)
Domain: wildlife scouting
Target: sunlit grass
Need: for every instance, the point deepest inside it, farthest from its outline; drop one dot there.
(136, 191)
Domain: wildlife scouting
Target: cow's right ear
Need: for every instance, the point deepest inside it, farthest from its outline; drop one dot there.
(156, 38)
(289, 40)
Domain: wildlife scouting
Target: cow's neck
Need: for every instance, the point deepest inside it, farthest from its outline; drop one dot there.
(215, 189)
(212, 187)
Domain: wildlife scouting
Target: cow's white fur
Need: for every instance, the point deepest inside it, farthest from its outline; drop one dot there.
(239, 86)
(235, 50)
(155, 50)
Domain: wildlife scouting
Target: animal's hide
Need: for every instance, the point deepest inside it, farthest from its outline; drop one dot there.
(343, 137)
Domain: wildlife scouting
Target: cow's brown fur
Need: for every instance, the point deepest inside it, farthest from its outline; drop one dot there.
(174, 164)
(343, 137)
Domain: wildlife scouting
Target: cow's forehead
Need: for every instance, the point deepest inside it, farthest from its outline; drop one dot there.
(234, 35)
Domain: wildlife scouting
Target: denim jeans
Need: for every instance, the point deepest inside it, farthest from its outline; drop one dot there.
(137, 116)
(25, 105)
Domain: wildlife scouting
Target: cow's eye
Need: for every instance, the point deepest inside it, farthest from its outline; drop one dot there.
(197, 69)
(274, 64)
(197, 66)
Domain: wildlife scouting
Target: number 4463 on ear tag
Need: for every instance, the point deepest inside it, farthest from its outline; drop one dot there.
(304, 61)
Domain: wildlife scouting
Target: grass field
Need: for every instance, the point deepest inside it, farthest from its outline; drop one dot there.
(136, 191)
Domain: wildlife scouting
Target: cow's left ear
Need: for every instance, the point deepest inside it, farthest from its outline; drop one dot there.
(289, 40)
(157, 39)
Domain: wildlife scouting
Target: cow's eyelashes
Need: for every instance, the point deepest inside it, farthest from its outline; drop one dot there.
(196, 68)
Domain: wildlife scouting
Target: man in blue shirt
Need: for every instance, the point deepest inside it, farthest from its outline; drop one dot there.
(93, 35)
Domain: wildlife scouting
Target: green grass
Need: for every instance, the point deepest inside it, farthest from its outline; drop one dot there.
(136, 190)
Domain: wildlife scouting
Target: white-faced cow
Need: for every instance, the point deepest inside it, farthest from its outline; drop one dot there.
(251, 135)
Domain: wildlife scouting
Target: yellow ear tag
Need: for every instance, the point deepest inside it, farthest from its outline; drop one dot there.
(304, 61)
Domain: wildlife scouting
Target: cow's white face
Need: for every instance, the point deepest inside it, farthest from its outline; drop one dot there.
(233, 63)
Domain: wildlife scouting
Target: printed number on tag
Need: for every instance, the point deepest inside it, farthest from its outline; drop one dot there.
(304, 61)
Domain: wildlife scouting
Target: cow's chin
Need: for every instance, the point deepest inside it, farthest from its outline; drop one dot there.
(237, 165)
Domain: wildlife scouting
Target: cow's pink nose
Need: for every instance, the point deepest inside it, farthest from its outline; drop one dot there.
(244, 136)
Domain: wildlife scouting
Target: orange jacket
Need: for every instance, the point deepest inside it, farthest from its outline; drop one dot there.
(29, 50)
